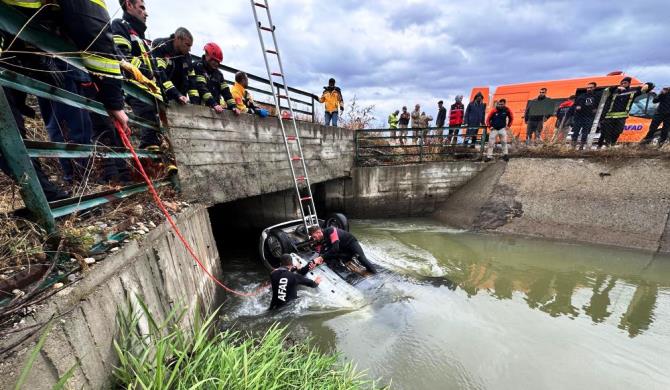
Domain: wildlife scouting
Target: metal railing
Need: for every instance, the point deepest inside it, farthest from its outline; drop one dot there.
(17, 152)
(393, 147)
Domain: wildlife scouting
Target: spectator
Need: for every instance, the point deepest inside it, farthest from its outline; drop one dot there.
(455, 119)
(499, 119)
(403, 123)
(393, 123)
(564, 115)
(416, 122)
(441, 119)
(243, 99)
(213, 91)
(475, 116)
(619, 103)
(586, 107)
(425, 124)
(662, 115)
(332, 98)
(535, 122)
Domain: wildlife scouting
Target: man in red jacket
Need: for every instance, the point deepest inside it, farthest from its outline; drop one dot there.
(455, 119)
(499, 119)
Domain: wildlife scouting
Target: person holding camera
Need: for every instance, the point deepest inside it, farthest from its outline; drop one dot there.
(662, 115)
(332, 98)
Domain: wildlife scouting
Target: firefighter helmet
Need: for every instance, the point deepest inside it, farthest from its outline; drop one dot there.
(214, 51)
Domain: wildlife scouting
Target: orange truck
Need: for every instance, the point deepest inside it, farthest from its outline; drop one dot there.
(519, 95)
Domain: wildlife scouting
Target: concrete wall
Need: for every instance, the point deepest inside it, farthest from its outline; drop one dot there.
(157, 268)
(396, 191)
(616, 202)
(223, 157)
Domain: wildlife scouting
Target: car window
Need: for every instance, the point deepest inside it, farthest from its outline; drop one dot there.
(639, 107)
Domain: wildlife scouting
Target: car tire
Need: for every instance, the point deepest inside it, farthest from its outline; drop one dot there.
(338, 220)
(276, 244)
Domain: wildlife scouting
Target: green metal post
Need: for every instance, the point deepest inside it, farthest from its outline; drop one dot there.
(356, 145)
(16, 156)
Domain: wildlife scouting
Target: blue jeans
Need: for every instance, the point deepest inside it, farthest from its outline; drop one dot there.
(331, 117)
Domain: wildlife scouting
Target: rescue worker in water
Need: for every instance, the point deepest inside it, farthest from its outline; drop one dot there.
(287, 278)
(336, 244)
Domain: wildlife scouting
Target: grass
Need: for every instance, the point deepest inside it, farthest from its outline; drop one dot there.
(166, 356)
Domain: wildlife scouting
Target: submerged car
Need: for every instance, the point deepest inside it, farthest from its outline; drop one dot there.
(292, 237)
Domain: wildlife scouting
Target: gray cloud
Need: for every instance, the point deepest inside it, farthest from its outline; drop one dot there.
(392, 53)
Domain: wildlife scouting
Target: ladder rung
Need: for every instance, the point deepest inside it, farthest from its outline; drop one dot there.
(300, 178)
(267, 28)
(260, 5)
(290, 137)
(282, 96)
(306, 198)
(296, 158)
(277, 74)
(271, 51)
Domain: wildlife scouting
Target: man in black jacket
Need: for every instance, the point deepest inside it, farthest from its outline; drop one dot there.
(535, 123)
(499, 120)
(335, 244)
(475, 116)
(441, 119)
(286, 279)
(662, 115)
(586, 107)
(173, 61)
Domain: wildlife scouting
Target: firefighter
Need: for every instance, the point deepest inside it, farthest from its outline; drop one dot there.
(335, 244)
(332, 99)
(618, 106)
(85, 23)
(213, 91)
(393, 123)
(173, 64)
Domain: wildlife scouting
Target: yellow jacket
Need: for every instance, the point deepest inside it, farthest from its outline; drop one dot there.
(333, 100)
(242, 97)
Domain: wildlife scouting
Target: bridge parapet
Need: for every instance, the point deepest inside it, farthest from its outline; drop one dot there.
(223, 157)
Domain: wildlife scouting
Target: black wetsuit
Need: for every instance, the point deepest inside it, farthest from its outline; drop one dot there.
(338, 244)
(285, 285)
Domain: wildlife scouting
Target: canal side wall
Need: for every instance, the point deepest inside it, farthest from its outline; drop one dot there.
(158, 269)
(397, 191)
(623, 202)
(223, 157)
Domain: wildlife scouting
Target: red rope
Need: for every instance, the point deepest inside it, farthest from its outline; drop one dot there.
(124, 137)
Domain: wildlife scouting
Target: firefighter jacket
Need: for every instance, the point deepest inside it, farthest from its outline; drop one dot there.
(133, 47)
(620, 102)
(82, 22)
(332, 97)
(172, 68)
(243, 99)
(211, 87)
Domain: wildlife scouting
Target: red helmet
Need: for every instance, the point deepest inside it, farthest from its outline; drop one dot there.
(213, 50)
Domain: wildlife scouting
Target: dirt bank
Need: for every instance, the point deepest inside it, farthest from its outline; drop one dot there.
(623, 202)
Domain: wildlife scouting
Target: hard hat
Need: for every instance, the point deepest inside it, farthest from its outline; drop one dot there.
(213, 50)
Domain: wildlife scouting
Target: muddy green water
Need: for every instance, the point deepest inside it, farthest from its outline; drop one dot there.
(470, 311)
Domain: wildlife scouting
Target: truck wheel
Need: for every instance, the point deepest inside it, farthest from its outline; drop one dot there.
(276, 244)
(337, 220)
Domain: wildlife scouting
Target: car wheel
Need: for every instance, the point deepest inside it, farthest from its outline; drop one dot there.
(276, 244)
(337, 220)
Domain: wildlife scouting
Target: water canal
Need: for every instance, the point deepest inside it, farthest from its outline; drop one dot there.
(471, 311)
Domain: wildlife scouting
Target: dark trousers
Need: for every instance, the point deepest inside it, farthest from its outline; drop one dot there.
(355, 249)
(534, 127)
(17, 99)
(65, 123)
(583, 128)
(149, 137)
(610, 130)
(653, 128)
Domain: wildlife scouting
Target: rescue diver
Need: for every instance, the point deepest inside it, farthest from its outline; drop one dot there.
(287, 278)
(336, 244)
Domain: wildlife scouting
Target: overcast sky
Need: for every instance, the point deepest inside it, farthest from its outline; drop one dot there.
(394, 53)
